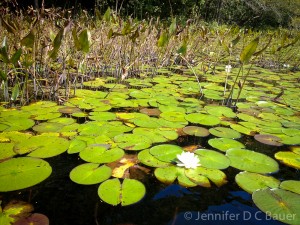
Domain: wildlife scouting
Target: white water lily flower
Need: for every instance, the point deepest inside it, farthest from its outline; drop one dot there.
(228, 68)
(188, 160)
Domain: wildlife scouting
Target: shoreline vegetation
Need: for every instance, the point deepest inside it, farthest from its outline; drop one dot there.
(49, 53)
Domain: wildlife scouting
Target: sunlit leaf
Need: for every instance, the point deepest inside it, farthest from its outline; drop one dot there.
(249, 50)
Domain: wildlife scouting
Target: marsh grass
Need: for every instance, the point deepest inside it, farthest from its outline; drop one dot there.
(48, 55)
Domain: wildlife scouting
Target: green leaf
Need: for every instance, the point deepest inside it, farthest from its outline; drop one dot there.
(84, 40)
(163, 39)
(15, 92)
(248, 51)
(16, 56)
(75, 39)
(107, 15)
(251, 182)
(183, 48)
(166, 152)
(127, 193)
(251, 161)
(22, 172)
(56, 44)
(3, 51)
(3, 75)
(279, 204)
(173, 27)
(90, 173)
(28, 40)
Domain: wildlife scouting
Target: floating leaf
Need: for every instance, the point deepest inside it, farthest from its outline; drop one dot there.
(289, 158)
(212, 159)
(149, 160)
(203, 119)
(22, 172)
(202, 176)
(98, 153)
(224, 132)
(279, 204)
(166, 152)
(223, 144)
(42, 146)
(251, 182)
(268, 139)
(127, 193)
(14, 211)
(157, 135)
(132, 141)
(196, 131)
(291, 185)
(90, 173)
(251, 161)
(34, 219)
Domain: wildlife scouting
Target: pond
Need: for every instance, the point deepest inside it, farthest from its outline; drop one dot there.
(111, 154)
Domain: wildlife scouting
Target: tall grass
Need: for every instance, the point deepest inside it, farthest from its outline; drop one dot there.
(48, 55)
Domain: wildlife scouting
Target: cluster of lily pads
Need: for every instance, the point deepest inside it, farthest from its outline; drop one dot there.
(117, 126)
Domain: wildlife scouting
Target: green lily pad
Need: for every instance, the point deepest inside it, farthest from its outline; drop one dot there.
(102, 116)
(69, 110)
(169, 174)
(47, 127)
(147, 123)
(149, 160)
(223, 144)
(268, 139)
(100, 154)
(204, 119)
(90, 173)
(171, 108)
(166, 152)
(157, 135)
(15, 123)
(196, 131)
(7, 150)
(251, 182)
(224, 132)
(47, 116)
(279, 204)
(133, 142)
(204, 176)
(22, 172)
(251, 161)
(243, 129)
(42, 146)
(288, 140)
(220, 111)
(291, 185)
(127, 193)
(289, 158)
(212, 159)
(76, 145)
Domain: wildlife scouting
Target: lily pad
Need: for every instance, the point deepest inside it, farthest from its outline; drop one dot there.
(15, 123)
(133, 142)
(22, 172)
(224, 132)
(100, 154)
(102, 116)
(157, 135)
(90, 173)
(223, 144)
(34, 219)
(47, 127)
(166, 152)
(127, 193)
(42, 146)
(289, 158)
(251, 182)
(279, 204)
(251, 161)
(204, 119)
(15, 211)
(202, 176)
(149, 160)
(76, 145)
(291, 185)
(196, 131)
(212, 160)
(268, 139)
(7, 150)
